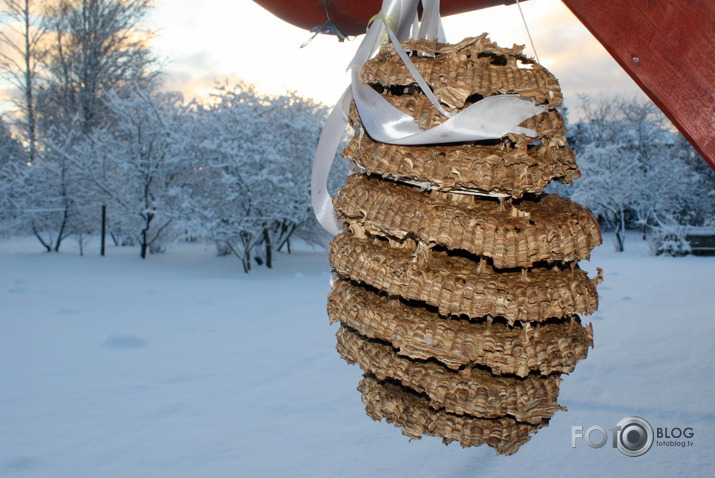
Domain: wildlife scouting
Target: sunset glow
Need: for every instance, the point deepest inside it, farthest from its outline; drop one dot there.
(228, 40)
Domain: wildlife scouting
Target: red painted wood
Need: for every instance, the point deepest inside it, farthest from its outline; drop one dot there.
(351, 16)
(668, 48)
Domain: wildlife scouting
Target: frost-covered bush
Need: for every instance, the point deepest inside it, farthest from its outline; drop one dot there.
(249, 191)
(669, 241)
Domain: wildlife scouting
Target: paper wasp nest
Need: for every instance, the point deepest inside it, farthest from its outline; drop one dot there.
(462, 308)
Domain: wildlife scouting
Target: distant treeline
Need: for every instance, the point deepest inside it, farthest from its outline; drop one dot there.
(91, 129)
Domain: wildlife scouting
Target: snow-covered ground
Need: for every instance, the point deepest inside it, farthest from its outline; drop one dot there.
(182, 366)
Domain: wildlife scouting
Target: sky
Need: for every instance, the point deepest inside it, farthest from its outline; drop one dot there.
(230, 40)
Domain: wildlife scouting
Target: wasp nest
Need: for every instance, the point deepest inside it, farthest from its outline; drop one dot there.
(461, 307)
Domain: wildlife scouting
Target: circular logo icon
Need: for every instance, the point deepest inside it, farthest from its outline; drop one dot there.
(635, 436)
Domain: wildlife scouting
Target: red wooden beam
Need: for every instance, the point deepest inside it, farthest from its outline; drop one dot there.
(668, 48)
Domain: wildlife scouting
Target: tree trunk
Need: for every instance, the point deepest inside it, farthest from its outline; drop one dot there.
(60, 234)
(620, 239)
(620, 231)
(286, 233)
(245, 257)
(44, 243)
(145, 235)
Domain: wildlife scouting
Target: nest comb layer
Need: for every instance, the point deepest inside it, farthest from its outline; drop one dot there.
(518, 235)
(509, 167)
(422, 334)
(457, 73)
(414, 414)
(459, 286)
(473, 392)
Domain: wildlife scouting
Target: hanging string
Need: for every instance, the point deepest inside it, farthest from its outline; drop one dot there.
(327, 28)
(523, 19)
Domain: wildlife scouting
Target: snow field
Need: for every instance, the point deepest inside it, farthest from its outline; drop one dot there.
(183, 366)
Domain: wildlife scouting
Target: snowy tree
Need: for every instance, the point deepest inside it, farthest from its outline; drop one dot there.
(251, 192)
(13, 166)
(140, 162)
(296, 125)
(607, 186)
(34, 196)
(11, 151)
(701, 201)
(99, 47)
(631, 165)
(50, 191)
(24, 51)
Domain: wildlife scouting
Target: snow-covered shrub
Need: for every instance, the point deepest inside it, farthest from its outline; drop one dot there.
(140, 165)
(249, 191)
(669, 241)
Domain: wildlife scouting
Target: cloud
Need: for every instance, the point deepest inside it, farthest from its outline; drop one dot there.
(198, 85)
(581, 64)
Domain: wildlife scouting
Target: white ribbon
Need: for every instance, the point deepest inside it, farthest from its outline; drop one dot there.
(490, 118)
(322, 161)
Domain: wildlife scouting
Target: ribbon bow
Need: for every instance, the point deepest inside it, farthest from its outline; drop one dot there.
(490, 118)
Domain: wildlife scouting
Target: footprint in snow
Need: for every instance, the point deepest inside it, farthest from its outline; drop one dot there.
(67, 311)
(124, 341)
(21, 463)
(18, 286)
